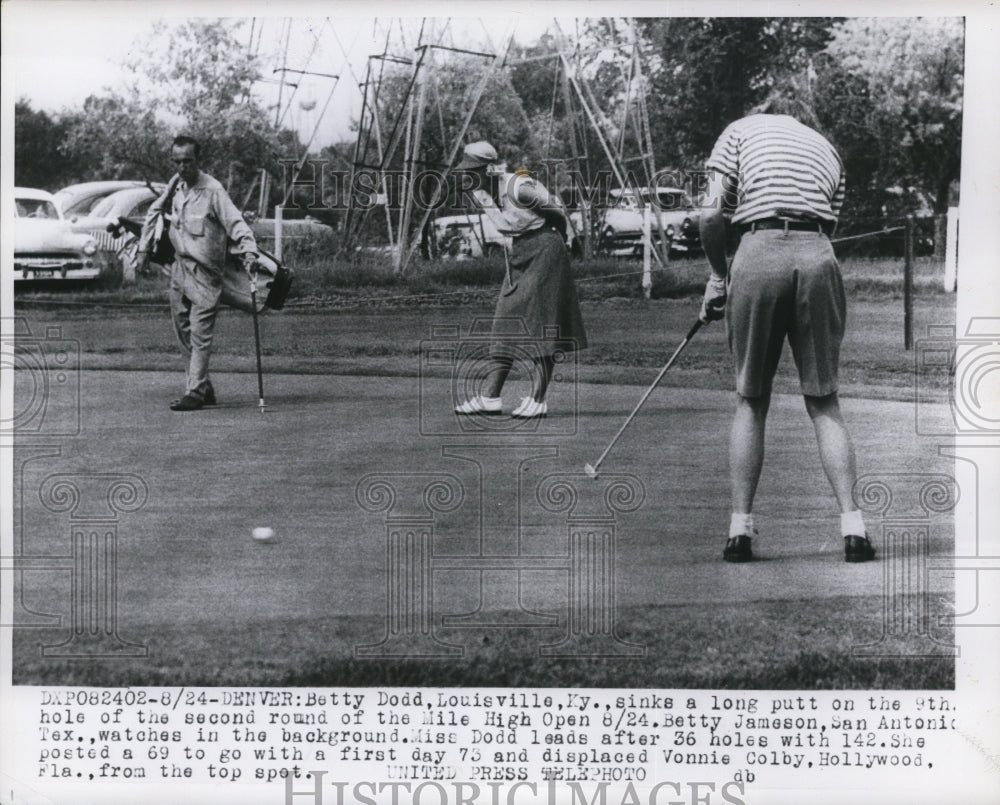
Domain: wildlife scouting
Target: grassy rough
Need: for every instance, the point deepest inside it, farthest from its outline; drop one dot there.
(731, 646)
(336, 322)
(369, 279)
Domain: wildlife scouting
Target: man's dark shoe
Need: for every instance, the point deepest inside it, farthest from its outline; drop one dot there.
(209, 398)
(737, 549)
(188, 402)
(858, 549)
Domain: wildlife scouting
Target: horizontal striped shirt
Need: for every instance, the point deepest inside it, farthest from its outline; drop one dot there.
(783, 169)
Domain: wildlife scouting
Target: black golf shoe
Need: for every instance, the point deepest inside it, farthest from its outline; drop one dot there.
(208, 399)
(737, 549)
(858, 549)
(189, 402)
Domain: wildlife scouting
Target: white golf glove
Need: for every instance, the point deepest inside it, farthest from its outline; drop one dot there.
(713, 306)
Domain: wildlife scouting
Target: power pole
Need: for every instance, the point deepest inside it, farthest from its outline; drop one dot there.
(411, 157)
(497, 60)
(599, 131)
(571, 114)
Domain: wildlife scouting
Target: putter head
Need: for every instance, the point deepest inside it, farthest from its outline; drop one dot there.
(591, 471)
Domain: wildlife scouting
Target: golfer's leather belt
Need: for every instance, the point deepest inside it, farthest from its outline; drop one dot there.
(788, 225)
(532, 233)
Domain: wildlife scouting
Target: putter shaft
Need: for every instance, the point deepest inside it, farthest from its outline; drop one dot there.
(256, 338)
(695, 327)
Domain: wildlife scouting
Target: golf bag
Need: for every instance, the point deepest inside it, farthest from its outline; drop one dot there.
(273, 283)
(272, 275)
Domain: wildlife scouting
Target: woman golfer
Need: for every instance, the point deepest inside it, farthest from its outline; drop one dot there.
(537, 308)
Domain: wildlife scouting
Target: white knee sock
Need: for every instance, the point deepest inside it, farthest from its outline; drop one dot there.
(852, 524)
(741, 524)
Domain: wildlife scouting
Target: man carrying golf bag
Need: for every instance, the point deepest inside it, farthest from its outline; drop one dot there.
(202, 226)
(783, 182)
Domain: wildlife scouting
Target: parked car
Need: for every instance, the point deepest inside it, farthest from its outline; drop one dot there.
(475, 233)
(291, 228)
(132, 204)
(78, 200)
(618, 225)
(45, 245)
(470, 234)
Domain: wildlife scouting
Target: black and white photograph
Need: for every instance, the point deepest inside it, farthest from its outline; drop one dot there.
(499, 403)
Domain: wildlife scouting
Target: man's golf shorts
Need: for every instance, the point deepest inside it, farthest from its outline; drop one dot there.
(785, 285)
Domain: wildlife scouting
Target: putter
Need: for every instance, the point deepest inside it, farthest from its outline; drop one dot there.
(591, 469)
(256, 338)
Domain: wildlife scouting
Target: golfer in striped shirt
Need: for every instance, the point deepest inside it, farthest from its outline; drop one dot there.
(783, 184)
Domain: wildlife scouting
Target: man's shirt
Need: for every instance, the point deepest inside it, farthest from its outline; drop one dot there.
(203, 222)
(783, 169)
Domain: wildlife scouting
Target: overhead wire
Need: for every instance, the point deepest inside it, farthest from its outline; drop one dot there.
(305, 66)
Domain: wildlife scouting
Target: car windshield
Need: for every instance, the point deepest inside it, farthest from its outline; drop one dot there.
(625, 201)
(36, 208)
(104, 208)
(666, 199)
(86, 206)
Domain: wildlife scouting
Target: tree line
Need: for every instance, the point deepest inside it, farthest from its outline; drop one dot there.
(886, 91)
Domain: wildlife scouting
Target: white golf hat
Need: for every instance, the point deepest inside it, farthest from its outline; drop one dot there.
(476, 155)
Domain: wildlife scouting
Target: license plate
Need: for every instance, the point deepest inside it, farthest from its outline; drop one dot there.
(41, 275)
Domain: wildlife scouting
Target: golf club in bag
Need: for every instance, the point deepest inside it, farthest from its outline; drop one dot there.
(591, 469)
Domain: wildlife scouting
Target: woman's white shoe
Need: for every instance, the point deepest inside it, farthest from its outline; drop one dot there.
(488, 406)
(529, 409)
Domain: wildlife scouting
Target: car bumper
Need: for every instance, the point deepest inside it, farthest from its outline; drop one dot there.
(73, 267)
(630, 245)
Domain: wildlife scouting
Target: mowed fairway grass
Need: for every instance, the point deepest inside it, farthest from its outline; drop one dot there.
(351, 393)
